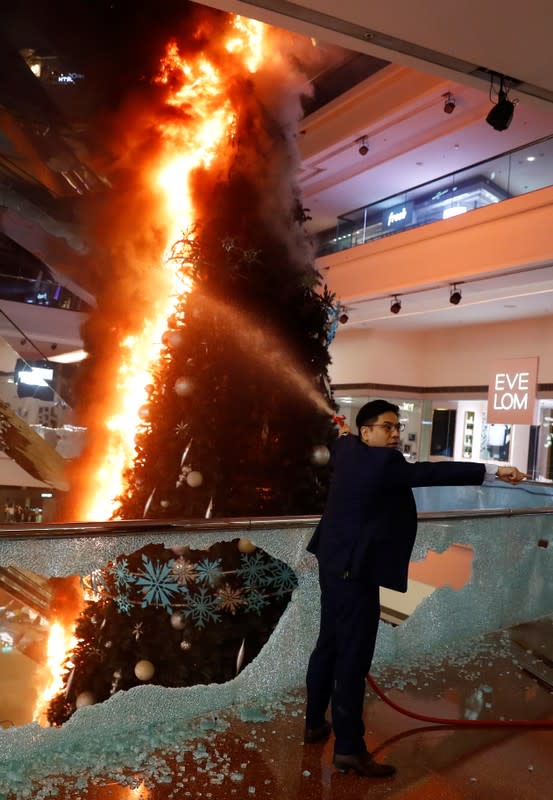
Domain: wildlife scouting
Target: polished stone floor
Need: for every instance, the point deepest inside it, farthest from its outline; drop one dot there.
(508, 676)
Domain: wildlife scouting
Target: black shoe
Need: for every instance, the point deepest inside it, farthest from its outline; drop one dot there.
(315, 735)
(363, 764)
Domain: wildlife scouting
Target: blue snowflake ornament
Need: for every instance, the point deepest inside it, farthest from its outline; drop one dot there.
(281, 578)
(120, 571)
(209, 571)
(202, 608)
(256, 601)
(123, 603)
(254, 568)
(158, 583)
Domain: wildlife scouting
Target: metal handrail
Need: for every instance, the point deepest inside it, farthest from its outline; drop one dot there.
(71, 530)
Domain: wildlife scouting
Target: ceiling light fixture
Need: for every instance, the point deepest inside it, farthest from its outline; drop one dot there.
(502, 112)
(395, 306)
(455, 295)
(449, 103)
(70, 357)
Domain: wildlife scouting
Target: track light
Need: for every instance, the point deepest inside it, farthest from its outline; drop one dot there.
(455, 296)
(395, 307)
(449, 103)
(502, 112)
(363, 145)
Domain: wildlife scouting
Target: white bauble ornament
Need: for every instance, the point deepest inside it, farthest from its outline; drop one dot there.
(85, 699)
(144, 670)
(245, 546)
(184, 645)
(178, 621)
(194, 479)
(164, 503)
(183, 386)
(320, 455)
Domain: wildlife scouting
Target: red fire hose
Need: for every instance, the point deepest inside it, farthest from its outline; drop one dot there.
(461, 723)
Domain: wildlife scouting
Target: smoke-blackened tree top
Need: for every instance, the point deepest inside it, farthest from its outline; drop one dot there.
(236, 424)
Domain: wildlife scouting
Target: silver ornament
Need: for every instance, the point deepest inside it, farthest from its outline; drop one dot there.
(185, 452)
(178, 621)
(194, 479)
(144, 413)
(240, 656)
(175, 339)
(183, 386)
(148, 503)
(85, 699)
(116, 680)
(320, 455)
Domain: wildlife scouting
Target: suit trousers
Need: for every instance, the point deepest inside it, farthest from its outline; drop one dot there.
(350, 613)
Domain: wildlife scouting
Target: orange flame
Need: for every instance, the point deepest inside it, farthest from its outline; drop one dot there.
(60, 642)
(200, 91)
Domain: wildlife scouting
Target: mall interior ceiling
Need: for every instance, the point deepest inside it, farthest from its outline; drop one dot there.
(66, 66)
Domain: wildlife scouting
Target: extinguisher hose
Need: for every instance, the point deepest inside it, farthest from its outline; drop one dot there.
(459, 723)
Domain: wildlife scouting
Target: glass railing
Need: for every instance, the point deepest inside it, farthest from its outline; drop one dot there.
(40, 293)
(147, 594)
(514, 173)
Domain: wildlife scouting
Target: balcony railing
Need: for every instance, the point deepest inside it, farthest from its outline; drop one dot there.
(514, 173)
(38, 292)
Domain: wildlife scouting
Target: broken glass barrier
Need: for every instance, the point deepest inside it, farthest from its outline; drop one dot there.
(507, 582)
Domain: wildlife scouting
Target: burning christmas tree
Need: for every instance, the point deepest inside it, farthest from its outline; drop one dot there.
(220, 404)
(212, 321)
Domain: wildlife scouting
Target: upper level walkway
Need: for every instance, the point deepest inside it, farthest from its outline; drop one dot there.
(488, 182)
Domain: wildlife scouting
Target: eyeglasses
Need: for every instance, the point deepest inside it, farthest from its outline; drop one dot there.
(388, 426)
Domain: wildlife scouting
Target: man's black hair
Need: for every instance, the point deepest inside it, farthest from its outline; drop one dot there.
(370, 412)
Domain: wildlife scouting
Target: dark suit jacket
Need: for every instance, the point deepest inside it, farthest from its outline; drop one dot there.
(369, 524)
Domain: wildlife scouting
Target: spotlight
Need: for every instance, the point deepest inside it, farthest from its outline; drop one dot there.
(449, 103)
(395, 307)
(455, 296)
(363, 146)
(502, 112)
(343, 318)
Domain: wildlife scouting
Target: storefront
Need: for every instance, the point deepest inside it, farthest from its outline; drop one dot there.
(459, 428)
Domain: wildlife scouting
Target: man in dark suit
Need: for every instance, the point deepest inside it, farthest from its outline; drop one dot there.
(363, 541)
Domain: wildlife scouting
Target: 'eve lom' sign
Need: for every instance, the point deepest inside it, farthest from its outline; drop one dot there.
(512, 390)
